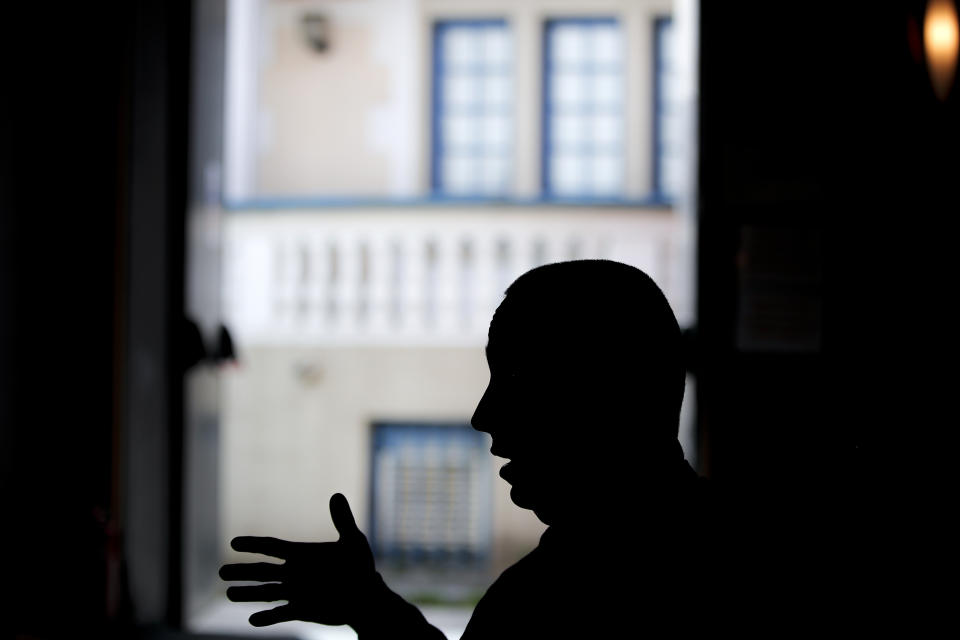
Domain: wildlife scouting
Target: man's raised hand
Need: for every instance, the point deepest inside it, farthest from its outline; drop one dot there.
(327, 582)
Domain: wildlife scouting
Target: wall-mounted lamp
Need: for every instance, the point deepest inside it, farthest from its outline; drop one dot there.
(941, 39)
(316, 31)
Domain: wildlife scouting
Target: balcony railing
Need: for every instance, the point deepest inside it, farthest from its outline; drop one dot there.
(434, 275)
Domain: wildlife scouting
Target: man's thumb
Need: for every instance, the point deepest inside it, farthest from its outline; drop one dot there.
(342, 516)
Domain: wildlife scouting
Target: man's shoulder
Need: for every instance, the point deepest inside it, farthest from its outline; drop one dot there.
(511, 602)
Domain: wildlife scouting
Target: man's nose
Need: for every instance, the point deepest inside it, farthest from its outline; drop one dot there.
(479, 418)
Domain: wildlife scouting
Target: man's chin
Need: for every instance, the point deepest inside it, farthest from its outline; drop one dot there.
(524, 500)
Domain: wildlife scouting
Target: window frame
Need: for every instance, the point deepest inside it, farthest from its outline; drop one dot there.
(657, 190)
(384, 431)
(548, 193)
(437, 76)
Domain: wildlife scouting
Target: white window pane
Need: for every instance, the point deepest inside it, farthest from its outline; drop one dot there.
(569, 130)
(606, 175)
(566, 174)
(461, 130)
(666, 46)
(460, 91)
(607, 89)
(496, 133)
(496, 46)
(605, 130)
(671, 89)
(666, 61)
(671, 130)
(568, 89)
(671, 178)
(459, 174)
(461, 46)
(606, 44)
(494, 176)
(496, 91)
(567, 44)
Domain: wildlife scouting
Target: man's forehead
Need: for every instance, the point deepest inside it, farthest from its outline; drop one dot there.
(505, 337)
(514, 350)
(506, 323)
(498, 349)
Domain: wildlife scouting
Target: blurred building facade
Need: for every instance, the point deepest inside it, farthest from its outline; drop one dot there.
(390, 167)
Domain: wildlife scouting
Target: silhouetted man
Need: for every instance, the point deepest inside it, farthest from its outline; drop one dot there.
(586, 382)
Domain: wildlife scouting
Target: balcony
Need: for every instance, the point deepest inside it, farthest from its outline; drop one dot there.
(421, 275)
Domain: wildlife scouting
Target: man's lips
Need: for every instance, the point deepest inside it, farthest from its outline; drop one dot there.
(508, 470)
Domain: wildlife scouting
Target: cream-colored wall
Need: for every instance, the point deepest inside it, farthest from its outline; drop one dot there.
(297, 429)
(355, 120)
(319, 114)
(338, 122)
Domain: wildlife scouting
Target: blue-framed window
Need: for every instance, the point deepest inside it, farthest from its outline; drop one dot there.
(472, 108)
(583, 112)
(431, 492)
(668, 122)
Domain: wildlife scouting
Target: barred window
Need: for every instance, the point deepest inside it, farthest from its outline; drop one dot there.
(431, 492)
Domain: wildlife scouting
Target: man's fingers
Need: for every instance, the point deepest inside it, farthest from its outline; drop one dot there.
(342, 516)
(258, 544)
(282, 613)
(253, 571)
(257, 593)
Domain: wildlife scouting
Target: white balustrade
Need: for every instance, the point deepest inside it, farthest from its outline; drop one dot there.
(398, 275)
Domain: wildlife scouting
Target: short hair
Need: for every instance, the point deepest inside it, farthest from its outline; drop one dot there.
(612, 321)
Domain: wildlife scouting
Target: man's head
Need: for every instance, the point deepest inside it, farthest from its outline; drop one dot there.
(586, 382)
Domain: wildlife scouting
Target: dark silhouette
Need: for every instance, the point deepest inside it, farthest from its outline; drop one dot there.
(586, 381)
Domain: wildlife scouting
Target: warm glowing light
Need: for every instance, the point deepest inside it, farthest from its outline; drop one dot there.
(941, 38)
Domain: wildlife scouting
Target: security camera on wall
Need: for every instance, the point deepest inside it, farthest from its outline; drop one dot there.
(316, 31)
